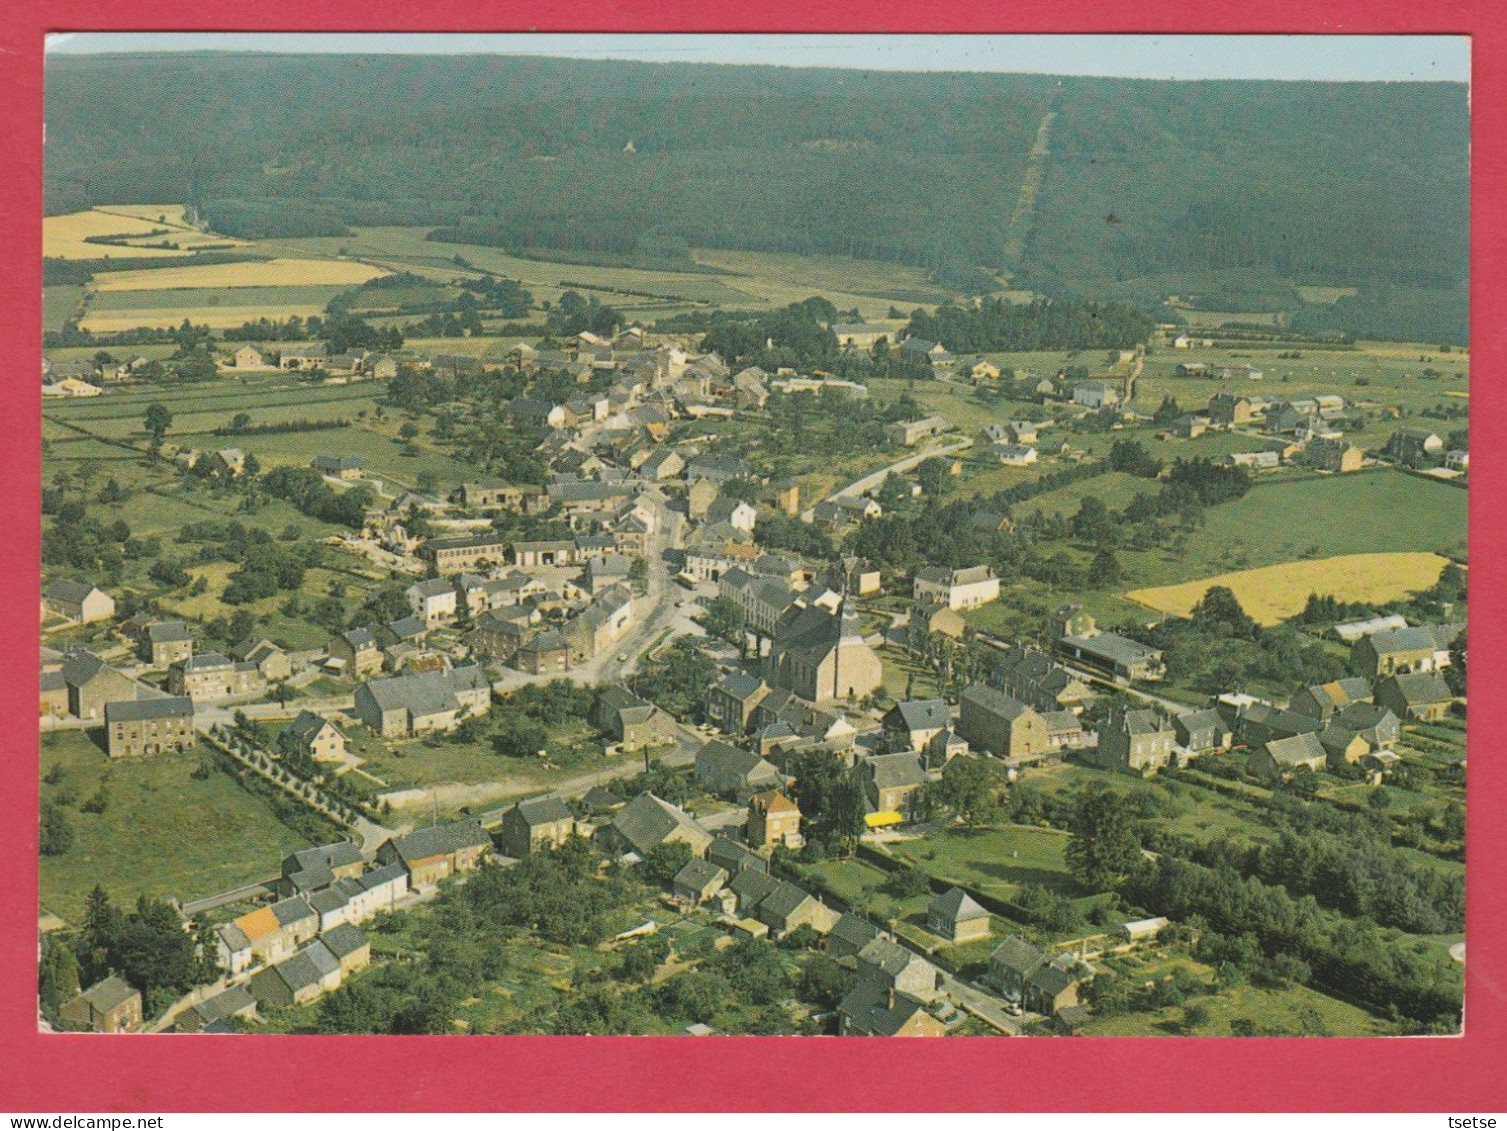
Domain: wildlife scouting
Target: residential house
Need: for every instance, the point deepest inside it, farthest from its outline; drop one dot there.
(545, 653)
(432, 853)
(350, 946)
(929, 618)
(1231, 409)
(632, 723)
(1203, 731)
(1423, 696)
(357, 651)
(1012, 963)
(313, 736)
(312, 870)
(432, 600)
(166, 643)
(730, 702)
(273, 662)
(248, 356)
(885, 962)
(1415, 447)
(267, 934)
(1005, 727)
(909, 433)
(1096, 394)
(1050, 989)
(773, 820)
(423, 702)
(954, 915)
(872, 1010)
(956, 588)
(235, 1002)
(1013, 455)
(1137, 741)
(1030, 675)
(737, 513)
(92, 684)
(211, 677)
(646, 822)
(136, 728)
(1323, 700)
(1333, 455)
(1280, 757)
(737, 858)
(300, 979)
(788, 908)
(912, 724)
(532, 826)
(1424, 648)
(728, 770)
(891, 782)
(700, 496)
(108, 1006)
(698, 882)
(78, 601)
(850, 935)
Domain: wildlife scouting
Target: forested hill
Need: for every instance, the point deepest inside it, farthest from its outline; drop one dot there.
(1225, 191)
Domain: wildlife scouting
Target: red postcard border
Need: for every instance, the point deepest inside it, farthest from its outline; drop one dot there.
(313, 1074)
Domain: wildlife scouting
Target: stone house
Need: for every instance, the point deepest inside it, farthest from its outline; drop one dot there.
(299, 979)
(210, 677)
(773, 820)
(435, 852)
(956, 588)
(1280, 757)
(358, 650)
(166, 643)
(647, 821)
(891, 782)
(432, 600)
(912, 724)
(1423, 696)
(78, 601)
(137, 728)
(92, 684)
(698, 882)
(315, 736)
(1005, 727)
(896, 967)
(423, 702)
(531, 826)
(954, 915)
(109, 1006)
(1136, 741)
(632, 723)
(871, 1009)
(728, 770)
(731, 701)
(1400, 651)
(788, 908)
(273, 662)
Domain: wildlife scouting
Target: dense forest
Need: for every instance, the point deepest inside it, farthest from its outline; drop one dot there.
(1148, 188)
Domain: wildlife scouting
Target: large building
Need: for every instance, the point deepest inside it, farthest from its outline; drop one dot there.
(1007, 728)
(465, 554)
(820, 654)
(139, 727)
(210, 677)
(956, 588)
(423, 702)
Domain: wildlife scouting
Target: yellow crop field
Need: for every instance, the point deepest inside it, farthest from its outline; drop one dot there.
(63, 236)
(256, 273)
(215, 317)
(1273, 593)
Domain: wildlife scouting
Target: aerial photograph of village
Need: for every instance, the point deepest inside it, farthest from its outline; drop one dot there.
(538, 543)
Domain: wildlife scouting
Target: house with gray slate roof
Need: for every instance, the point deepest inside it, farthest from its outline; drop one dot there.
(423, 702)
(646, 822)
(725, 769)
(957, 916)
(536, 825)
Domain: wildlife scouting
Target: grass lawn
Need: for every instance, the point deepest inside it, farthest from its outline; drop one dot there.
(164, 832)
(1280, 1011)
(59, 304)
(997, 861)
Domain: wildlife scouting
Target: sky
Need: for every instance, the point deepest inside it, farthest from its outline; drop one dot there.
(1332, 58)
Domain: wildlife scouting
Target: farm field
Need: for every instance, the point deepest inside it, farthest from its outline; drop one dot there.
(215, 307)
(63, 236)
(58, 305)
(1271, 594)
(251, 273)
(164, 832)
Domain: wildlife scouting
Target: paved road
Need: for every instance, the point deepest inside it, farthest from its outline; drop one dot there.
(874, 479)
